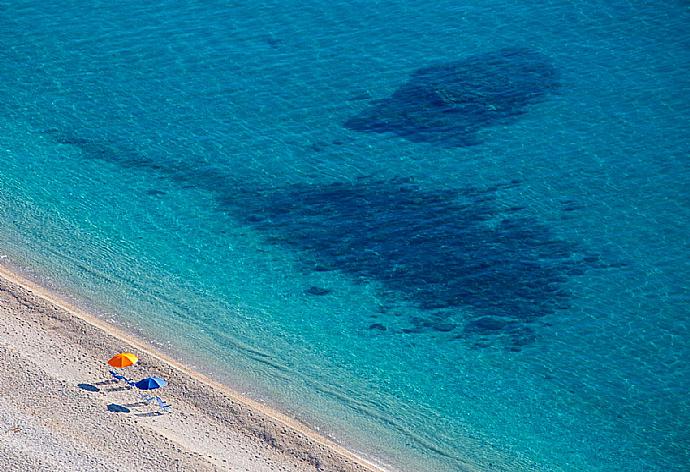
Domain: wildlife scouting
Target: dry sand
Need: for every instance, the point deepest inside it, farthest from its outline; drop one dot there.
(51, 352)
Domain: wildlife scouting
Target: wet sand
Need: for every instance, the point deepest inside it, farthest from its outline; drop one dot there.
(56, 397)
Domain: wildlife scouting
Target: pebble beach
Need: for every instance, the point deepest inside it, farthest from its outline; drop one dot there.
(61, 410)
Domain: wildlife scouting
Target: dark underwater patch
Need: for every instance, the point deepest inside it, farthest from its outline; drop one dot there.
(447, 104)
(453, 253)
(475, 268)
(317, 291)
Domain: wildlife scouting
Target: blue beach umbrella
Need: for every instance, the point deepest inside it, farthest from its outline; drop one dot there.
(150, 383)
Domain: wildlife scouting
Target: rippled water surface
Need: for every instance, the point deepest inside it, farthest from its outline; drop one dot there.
(449, 235)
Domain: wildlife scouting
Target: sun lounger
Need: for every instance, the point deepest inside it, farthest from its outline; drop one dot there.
(117, 376)
(163, 405)
(146, 397)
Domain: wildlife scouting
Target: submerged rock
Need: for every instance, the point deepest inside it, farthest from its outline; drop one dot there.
(486, 324)
(454, 254)
(443, 327)
(317, 291)
(377, 327)
(448, 103)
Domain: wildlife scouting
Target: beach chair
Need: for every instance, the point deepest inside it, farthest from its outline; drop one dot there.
(146, 397)
(163, 405)
(117, 376)
(130, 383)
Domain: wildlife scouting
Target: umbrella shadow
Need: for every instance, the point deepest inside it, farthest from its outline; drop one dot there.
(115, 408)
(89, 387)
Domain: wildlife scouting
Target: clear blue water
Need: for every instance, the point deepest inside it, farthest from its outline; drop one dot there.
(448, 235)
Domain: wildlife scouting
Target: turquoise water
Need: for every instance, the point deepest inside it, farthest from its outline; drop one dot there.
(447, 235)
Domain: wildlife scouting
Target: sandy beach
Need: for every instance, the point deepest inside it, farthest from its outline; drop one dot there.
(55, 392)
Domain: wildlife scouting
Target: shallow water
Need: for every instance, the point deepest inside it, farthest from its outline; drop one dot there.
(447, 235)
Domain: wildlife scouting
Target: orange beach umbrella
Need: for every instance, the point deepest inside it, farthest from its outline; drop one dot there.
(124, 359)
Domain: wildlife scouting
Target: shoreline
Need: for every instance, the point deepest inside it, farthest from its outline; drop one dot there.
(280, 438)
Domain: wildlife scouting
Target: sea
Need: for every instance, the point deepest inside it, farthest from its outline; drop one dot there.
(449, 235)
